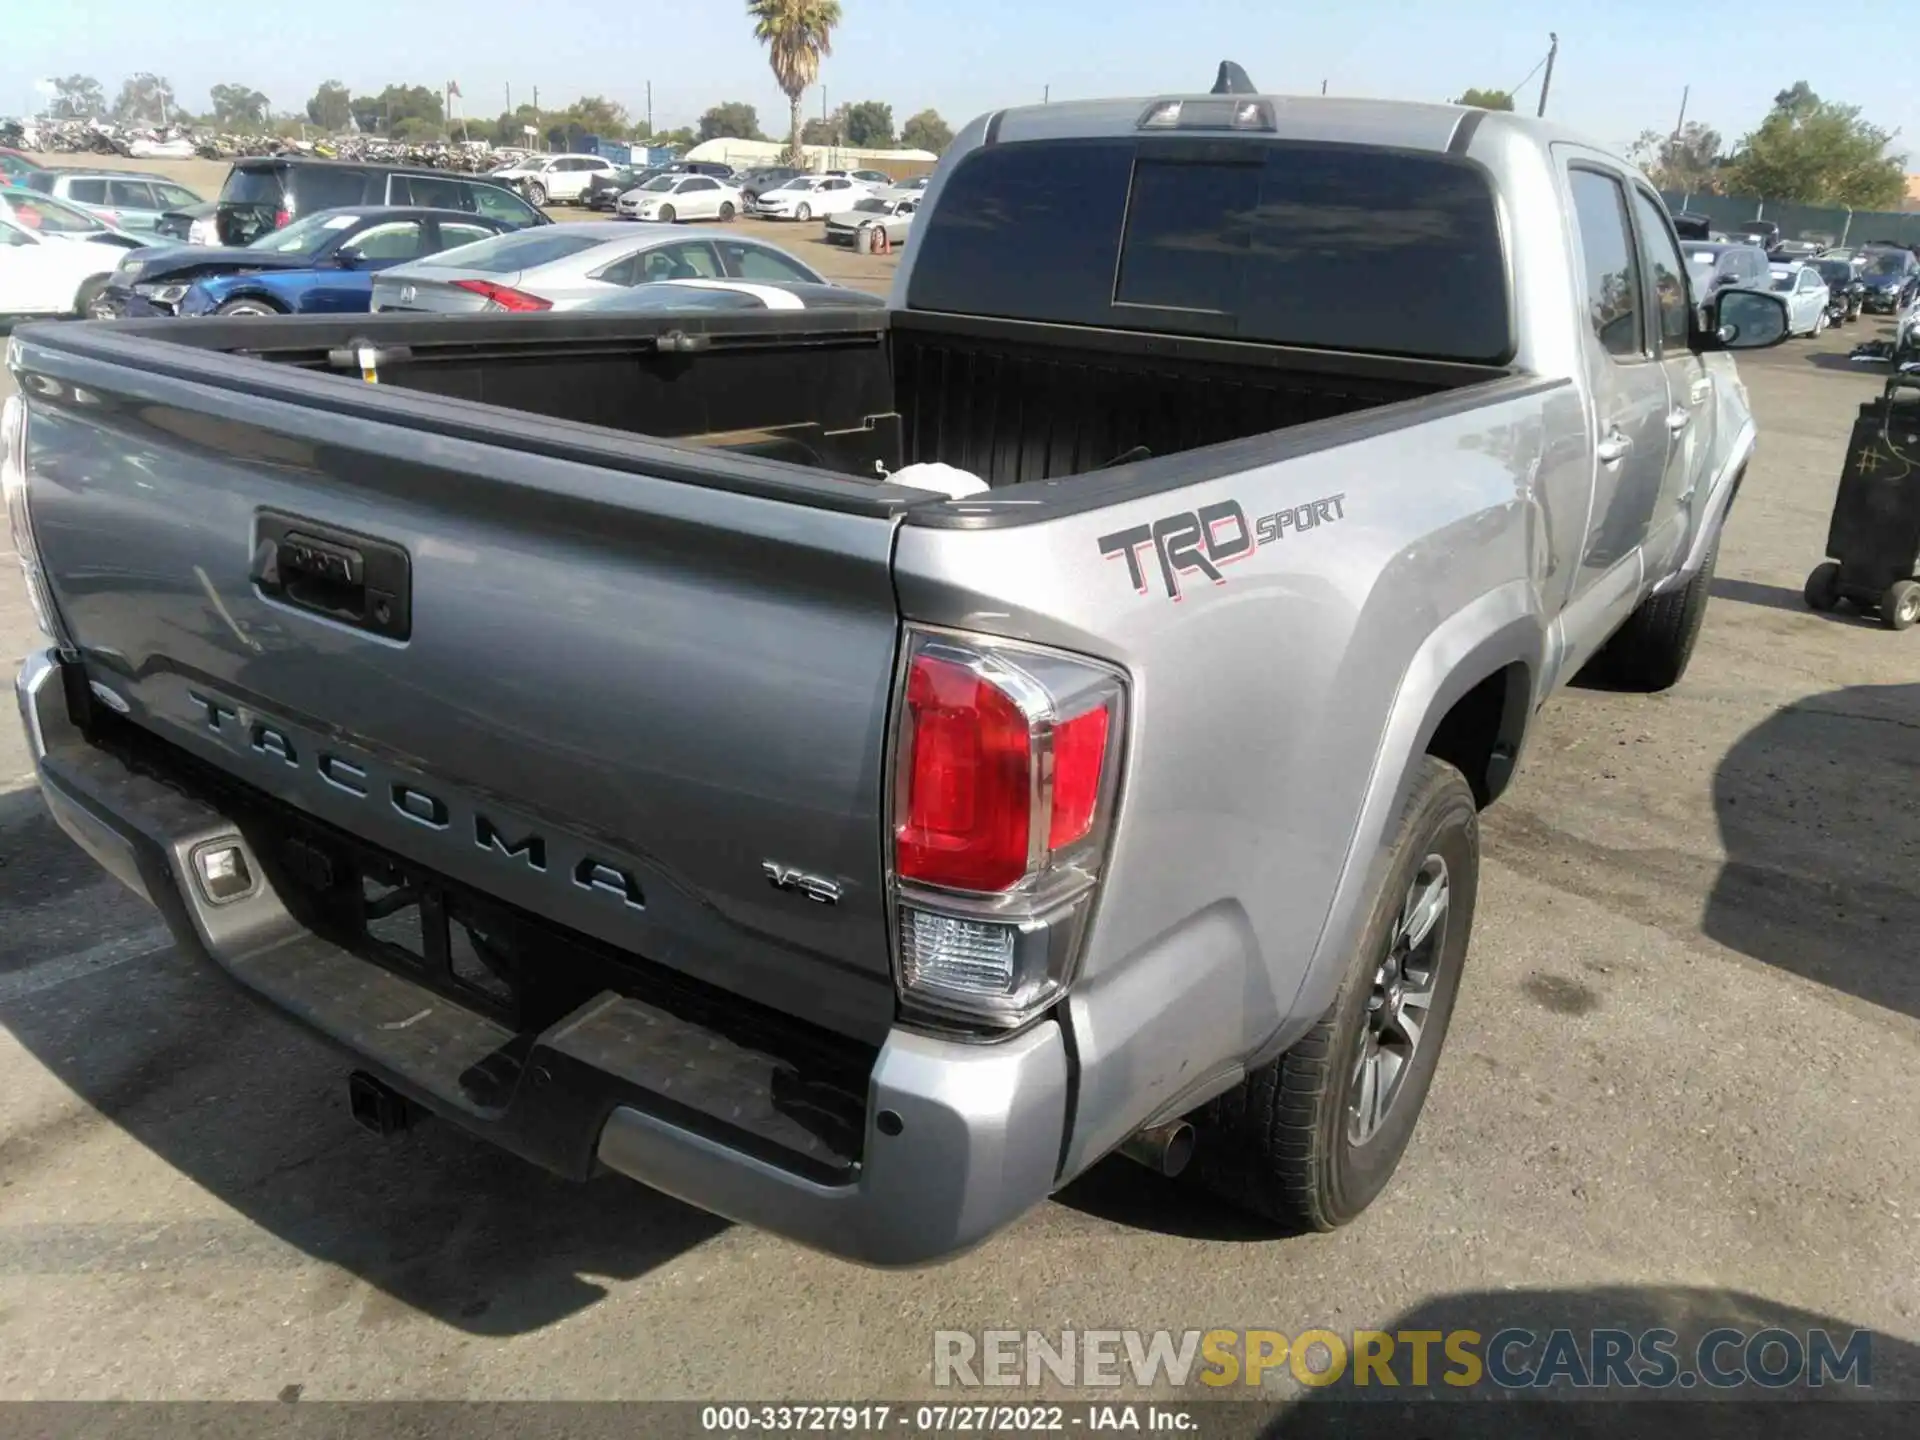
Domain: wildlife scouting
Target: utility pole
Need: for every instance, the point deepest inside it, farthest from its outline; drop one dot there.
(1323, 87)
(539, 140)
(649, 109)
(1546, 82)
(1046, 94)
(1681, 123)
(509, 97)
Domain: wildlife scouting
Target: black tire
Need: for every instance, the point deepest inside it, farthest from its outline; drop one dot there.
(1900, 606)
(90, 290)
(665, 215)
(536, 195)
(803, 211)
(1280, 1144)
(726, 212)
(248, 305)
(1651, 651)
(1822, 590)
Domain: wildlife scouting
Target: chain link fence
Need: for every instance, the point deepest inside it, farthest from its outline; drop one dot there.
(1834, 225)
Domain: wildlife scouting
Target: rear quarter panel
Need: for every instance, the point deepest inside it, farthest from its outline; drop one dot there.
(1273, 712)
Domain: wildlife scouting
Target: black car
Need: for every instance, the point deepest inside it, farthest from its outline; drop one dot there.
(1689, 226)
(603, 191)
(1891, 277)
(764, 178)
(264, 194)
(1845, 294)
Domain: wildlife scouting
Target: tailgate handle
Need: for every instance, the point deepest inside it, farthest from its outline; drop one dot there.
(354, 579)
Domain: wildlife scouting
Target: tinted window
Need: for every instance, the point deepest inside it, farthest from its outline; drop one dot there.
(1612, 275)
(175, 195)
(453, 233)
(524, 250)
(395, 240)
(318, 188)
(756, 262)
(87, 192)
(259, 185)
(132, 194)
(694, 260)
(41, 180)
(498, 204)
(1342, 247)
(1669, 278)
(1835, 272)
(1783, 282)
(428, 190)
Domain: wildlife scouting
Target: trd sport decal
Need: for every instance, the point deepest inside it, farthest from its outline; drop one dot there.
(1201, 541)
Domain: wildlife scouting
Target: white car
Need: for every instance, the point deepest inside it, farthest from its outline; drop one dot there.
(545, 178)
(1806, 295)
(562, 267)
(914, 189)
(668, 198)
(807, 196)
(47, 274)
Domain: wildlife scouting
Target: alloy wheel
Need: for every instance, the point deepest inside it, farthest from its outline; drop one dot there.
(1402, 1000)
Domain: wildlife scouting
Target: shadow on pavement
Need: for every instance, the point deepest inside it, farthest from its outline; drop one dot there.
(1688, 1412)
(254, 1111)
(1818, 818)
(1123, 1193)
(1779, 597)
(1837, 360)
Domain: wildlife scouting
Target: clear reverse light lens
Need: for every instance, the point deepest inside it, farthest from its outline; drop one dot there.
(944, 952)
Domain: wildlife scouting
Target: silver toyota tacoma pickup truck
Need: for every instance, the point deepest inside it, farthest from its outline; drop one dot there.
(587, 727)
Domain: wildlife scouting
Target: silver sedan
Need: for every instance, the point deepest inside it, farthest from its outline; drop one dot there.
(562, 267)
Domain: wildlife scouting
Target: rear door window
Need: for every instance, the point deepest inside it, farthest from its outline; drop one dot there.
(130, 194)
(87, 192)
(325, 188)
(1328, 246)
(757, 262)
(429, 190)
(498, 204)
(523, 250)
(455, 233)
(1611, 272)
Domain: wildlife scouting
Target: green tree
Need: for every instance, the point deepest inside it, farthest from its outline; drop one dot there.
(825, 129)
(731, 120)
(1688, 161)
(597, 115)
(79, 95)
(927, 131)
(682, 139)
(237, 106)
(508, 129)
(1486, 99)
(1810, 151)
(639, 132)
(798, 34)
(145, 99)
(331, 107)
(382, 113)
(418, 129)
(870, 125)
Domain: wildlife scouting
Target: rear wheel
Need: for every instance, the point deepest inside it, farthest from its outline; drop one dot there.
(1314, 1137)
(89, 303)
(1900, 606)
(536, 194)
(726, 212)
(1822, 590)
(249, 307)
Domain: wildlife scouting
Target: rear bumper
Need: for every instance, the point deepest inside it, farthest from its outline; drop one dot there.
(959, 1139)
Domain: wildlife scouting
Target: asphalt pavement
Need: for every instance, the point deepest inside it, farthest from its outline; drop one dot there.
(1677, 1087)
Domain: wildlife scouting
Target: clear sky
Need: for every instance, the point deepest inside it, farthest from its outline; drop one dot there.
(1622, 64)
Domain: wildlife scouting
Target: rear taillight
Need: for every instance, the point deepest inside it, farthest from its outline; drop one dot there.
(282, 218)
(1006, 768)
(504, 296)
(13, 484)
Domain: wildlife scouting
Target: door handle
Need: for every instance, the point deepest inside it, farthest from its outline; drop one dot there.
(354, 579)
(1614, 448)
(1701, 390)
(1678, 420)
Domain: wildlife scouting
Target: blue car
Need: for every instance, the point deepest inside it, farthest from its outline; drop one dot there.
(322, 264)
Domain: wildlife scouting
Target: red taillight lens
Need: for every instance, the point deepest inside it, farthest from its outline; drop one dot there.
(968, 774)
(1079, 757)
(505, 296)
(282, 218)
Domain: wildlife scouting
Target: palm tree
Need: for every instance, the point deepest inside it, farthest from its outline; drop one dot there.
(797, 33)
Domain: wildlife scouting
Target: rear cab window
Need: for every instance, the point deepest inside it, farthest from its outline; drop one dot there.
(1322, 246)
(253, 185)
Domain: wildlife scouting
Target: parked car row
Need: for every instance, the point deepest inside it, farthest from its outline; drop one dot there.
(54, 257)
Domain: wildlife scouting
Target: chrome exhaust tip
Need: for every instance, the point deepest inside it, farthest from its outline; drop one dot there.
(1164, 1149)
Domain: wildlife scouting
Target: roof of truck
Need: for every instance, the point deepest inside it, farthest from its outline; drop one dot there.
(1400, 124)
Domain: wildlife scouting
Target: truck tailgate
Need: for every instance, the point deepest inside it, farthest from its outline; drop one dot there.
(608, 698)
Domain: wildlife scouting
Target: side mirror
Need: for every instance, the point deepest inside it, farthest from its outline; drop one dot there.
(1746, 320)
(346, 259)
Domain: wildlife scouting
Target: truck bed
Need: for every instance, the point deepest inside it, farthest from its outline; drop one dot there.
(860, 393)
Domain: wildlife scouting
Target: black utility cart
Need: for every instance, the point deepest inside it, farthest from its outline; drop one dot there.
(1874, 537)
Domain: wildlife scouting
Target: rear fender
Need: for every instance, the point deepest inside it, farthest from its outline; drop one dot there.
(1501, 629)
